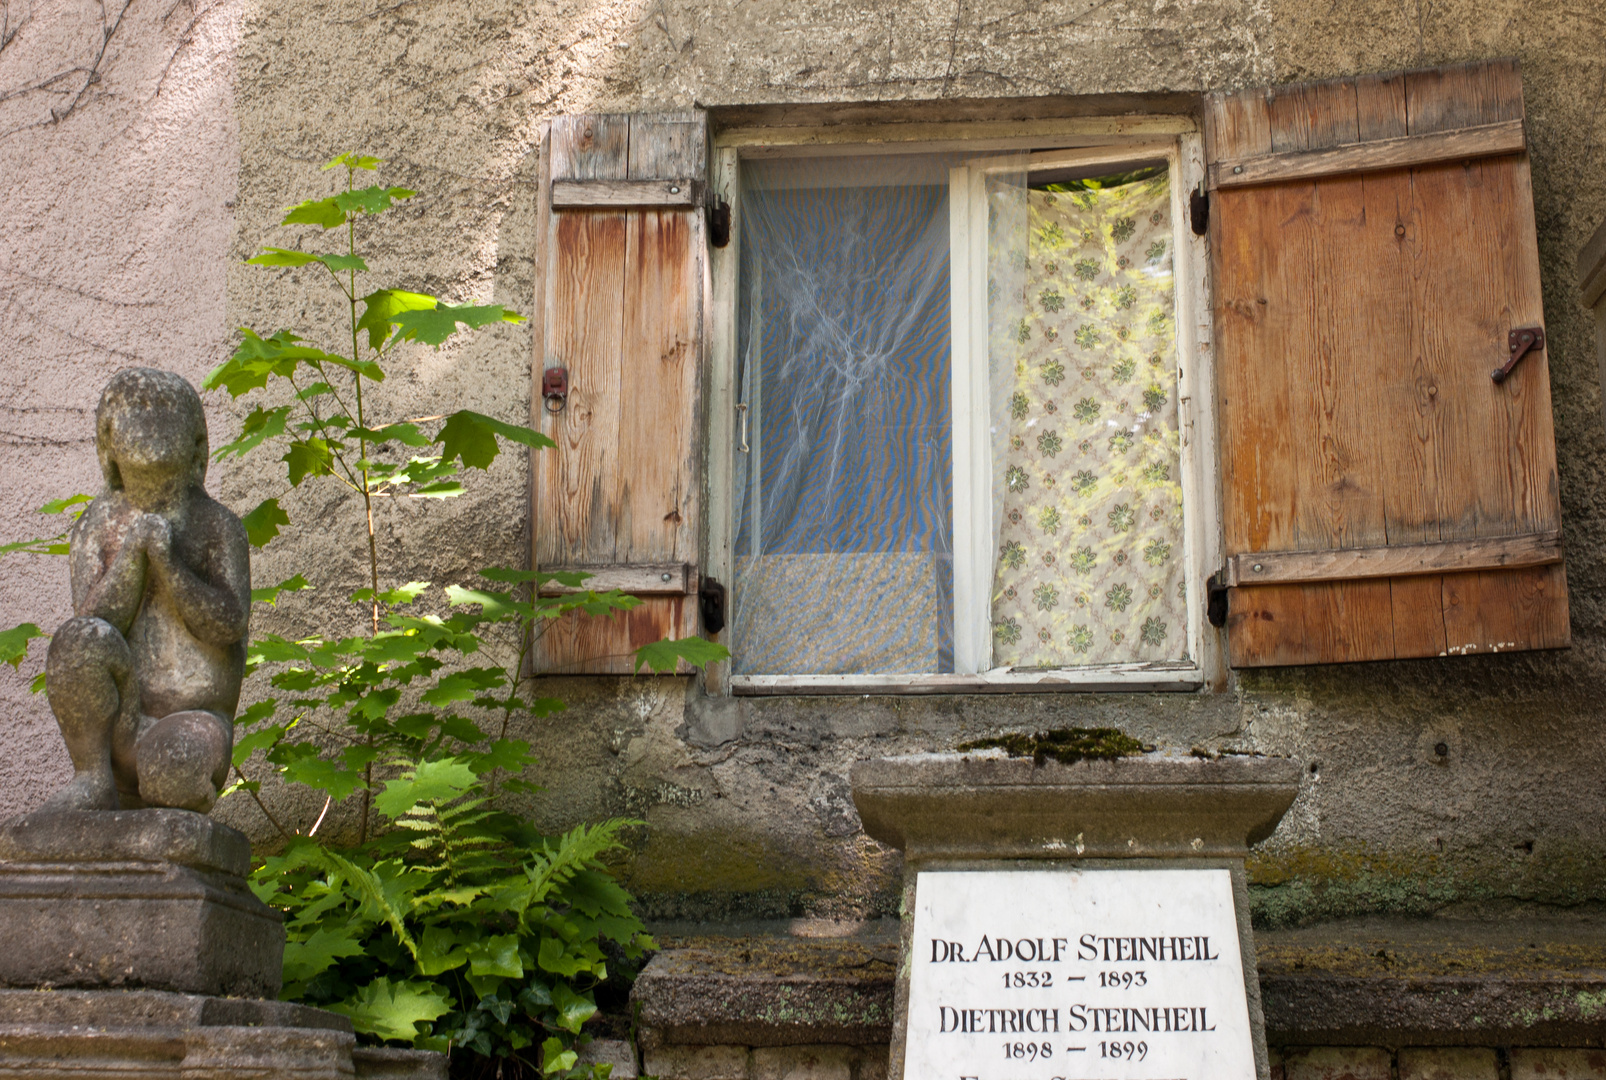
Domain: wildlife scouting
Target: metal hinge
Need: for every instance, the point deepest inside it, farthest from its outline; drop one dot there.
(1199, 210)
(1216, 594)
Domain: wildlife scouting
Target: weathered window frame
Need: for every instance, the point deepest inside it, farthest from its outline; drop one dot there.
(1086, 140)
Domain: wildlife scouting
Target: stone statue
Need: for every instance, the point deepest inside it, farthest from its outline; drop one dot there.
(145, 677)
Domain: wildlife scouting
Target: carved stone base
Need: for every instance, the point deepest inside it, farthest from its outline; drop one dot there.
(151, 1035)
(152, 899)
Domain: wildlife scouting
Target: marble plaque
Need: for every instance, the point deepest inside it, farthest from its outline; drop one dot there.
(1077, 975)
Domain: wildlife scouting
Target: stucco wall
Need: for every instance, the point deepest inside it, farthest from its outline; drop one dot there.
(746, 802)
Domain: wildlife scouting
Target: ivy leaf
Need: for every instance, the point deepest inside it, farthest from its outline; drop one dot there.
(262, 524)
(404, 594)
(381, 308)
(433, 325)
(432, 781)
(472, 436)
(393, 1010)
(375, 704)
(463, 686)
(270, 594)
(256, 713)
(57, 506)
(557, 1058)
(43, 545)
(257, 359)
(400, 432)
(14, 642)
(497, 955)
(354, 161)
(285, 257)
(38, 684)
(573, 1009)
(315, 772)
(494, 605)
(440, 950)
(509, 755)
(510, 576)
(308, 457)
(304, 959)
(662, 656)
(261, 425)
(261, 739)
(322, 212)
(555, 957)
(370, 200)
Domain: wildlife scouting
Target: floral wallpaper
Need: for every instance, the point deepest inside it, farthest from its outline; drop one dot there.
(1090, 549)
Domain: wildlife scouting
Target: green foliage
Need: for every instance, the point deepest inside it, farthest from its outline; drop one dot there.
(459, 928)
(451, 923)
(15, 640)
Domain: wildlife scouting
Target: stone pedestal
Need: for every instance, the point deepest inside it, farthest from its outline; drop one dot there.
(989, 812)
(134, 898)
(133, 948)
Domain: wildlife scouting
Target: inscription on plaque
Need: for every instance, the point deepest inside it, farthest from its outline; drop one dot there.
(1077, 975)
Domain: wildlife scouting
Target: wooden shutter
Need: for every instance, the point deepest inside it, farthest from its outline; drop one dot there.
(1373, 247)
(621, 294)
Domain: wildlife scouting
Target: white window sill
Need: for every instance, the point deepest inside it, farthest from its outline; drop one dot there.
(1118, 677)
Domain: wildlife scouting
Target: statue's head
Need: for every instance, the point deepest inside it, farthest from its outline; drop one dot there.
(150, 431)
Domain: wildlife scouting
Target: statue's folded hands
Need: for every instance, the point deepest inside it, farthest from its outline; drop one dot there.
(145, 678)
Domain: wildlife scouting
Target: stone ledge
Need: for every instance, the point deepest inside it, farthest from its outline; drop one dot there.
(61, 1034)
(1379, 983)
(159, 836)
(763, 991)
(987, 806)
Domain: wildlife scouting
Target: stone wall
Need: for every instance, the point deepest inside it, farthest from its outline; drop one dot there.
(1287, 1063)
(143, 165)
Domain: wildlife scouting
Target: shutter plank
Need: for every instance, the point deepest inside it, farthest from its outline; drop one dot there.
(1388, 295)
(590, 147)
(657, 445)
(668, 147)
(1506, 612)
(579, 489)
(623, 313)
(1417, 606)
(1485, 140)
(1380, 107)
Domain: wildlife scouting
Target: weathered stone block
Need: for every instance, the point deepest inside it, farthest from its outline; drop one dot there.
(394, 1063)
(1448, 1063)
(803, 1063)
(137, 898)
(77, 1034)
(1338, 1063)
(1558, 1064)
(873, 1063)
(615, 1052)
(697, 1063)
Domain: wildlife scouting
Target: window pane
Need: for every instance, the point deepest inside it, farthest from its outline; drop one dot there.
(843, 560)
(1090, 563)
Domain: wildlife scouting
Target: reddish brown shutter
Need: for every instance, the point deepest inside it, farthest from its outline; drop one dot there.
(621, 297)
(1373, 246)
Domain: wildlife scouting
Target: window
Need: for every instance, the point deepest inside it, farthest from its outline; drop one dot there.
(964, 453)
(871, 401)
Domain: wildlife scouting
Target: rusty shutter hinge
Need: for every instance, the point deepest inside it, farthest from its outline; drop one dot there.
(1216, 601)
(711, 605)
(719, 222)
(1521, 342)
(1199, 210)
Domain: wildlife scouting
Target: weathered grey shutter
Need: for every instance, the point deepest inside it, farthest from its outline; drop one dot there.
(1374, 261)
(620, 304)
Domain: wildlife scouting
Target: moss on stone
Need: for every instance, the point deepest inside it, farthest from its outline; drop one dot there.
(1065, 745)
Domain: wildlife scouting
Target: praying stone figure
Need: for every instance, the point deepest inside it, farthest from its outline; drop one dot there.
(145, 677)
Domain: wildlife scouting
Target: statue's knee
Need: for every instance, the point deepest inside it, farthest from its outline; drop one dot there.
(183, 759)
(87, 642)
